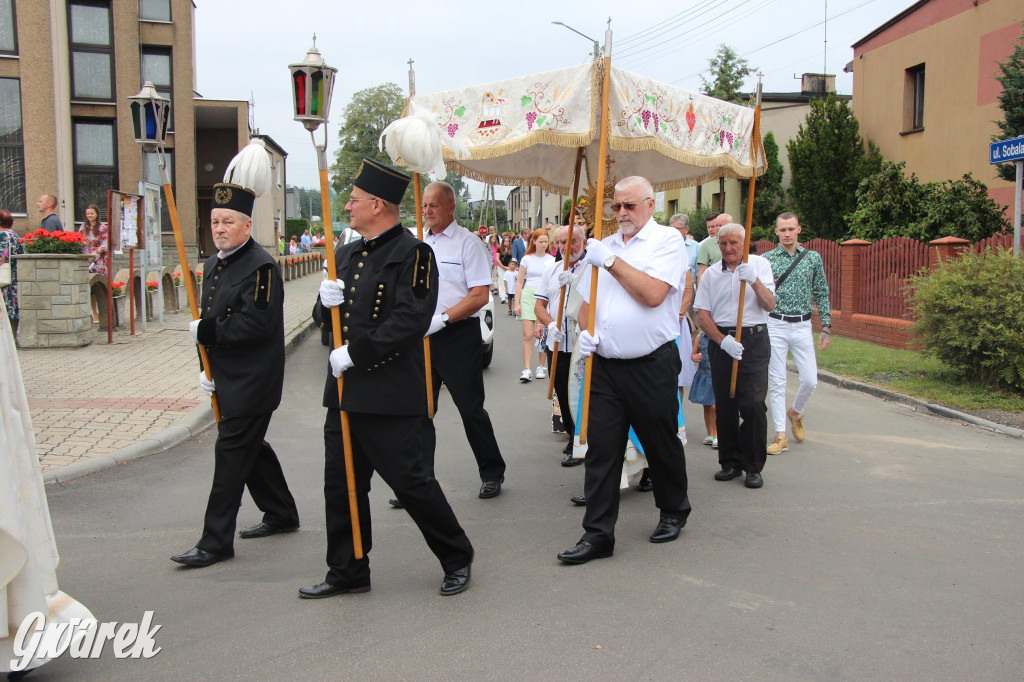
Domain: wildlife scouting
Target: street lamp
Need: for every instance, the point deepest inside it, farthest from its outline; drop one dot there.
(312, 85)
(150, 113)
(597, 47)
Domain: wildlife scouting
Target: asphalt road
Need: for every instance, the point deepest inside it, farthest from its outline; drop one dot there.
(887, 546)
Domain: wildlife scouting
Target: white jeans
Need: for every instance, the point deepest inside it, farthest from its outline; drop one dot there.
(796, 338)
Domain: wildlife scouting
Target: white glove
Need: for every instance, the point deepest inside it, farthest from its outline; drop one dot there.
(193, 328)
(588, 343)
(436, 325)
(340, 361)
(565, 278)
(555, 335)
(733, 347)
(597, 252)
(332, 293)
(206, 385)
(746, 272)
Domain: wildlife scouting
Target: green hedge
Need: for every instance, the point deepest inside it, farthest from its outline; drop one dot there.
(294, 227)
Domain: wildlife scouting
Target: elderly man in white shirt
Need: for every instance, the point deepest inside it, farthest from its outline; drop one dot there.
(635, 366)
(464, 270)
(741, 446)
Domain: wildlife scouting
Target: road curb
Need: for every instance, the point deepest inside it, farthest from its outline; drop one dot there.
(195, 421)
(914, 403)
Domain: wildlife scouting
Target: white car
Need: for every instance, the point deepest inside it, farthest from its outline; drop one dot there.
(486, 312)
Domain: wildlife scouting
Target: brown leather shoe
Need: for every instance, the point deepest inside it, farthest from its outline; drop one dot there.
(796, 425)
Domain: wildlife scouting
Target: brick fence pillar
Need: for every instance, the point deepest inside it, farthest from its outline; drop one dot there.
(945, 249)
(849, 292)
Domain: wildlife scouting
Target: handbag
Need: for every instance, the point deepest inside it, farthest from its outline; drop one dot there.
(5, 275)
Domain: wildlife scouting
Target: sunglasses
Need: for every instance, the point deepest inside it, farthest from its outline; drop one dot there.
(629, 206)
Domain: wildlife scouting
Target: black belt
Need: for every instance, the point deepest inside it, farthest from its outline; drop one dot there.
(791, 318)
(756, 329)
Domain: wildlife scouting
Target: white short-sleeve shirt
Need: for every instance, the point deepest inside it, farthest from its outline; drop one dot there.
(719, 293)
(535, 266)
(625, 327)
(461, 264)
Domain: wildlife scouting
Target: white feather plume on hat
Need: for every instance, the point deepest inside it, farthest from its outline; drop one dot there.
(416, 140)
(251, 168)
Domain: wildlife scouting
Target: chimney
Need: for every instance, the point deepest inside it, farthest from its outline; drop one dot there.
(817, 83)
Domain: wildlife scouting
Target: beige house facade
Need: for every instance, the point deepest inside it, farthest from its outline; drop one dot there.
(533, 207)
(924, 87)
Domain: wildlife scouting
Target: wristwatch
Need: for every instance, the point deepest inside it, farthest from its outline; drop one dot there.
(609, 261)
(444, 319)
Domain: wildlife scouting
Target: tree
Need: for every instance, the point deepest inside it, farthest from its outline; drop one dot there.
(500, 223)
(769, 198)
(309, 203)
(827, 161)
(1011, 101)
(888, 203)
(961, 208)
(365, 117)
(726, 73)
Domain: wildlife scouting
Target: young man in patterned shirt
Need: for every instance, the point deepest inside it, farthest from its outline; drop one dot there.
(789, 326)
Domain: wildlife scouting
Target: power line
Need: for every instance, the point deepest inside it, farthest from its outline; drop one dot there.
(674, 19)
(660, 45)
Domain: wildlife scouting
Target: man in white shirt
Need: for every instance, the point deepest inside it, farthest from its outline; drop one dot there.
(465, 279)
(741, 446)
(681, 222)
(635, 366)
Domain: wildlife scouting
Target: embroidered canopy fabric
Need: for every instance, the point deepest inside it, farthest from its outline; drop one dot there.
(527, 130)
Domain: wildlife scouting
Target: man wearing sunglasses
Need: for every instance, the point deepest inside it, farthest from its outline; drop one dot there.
(635, 365)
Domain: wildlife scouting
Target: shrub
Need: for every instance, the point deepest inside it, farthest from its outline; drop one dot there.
(294, 227)
(43, 241)
(971, 316)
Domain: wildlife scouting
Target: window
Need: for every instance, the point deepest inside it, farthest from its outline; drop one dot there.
(8, 34)
(151, 173)
(90, 30)
(12, 147)
(156, 68)
(95, 162)
(913, 104)
(155, 10)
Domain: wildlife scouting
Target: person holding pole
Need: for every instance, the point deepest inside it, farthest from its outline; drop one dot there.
(241, 325)
(635, 365)
(741, 446)
(386, 288)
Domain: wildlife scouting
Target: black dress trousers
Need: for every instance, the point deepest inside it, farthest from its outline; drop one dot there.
(562, 370)
(742, 445)
(391, 446)
(641, 392)
(455, 360)
(243, 459)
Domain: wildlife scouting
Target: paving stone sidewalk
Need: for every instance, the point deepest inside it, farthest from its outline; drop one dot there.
(87, 402)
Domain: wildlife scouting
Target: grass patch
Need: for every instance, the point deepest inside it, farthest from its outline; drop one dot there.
(915, 374)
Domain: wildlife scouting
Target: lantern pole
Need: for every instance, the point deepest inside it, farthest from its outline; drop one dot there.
(312, 100)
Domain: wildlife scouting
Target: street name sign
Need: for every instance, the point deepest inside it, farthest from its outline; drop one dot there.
(1006, 150)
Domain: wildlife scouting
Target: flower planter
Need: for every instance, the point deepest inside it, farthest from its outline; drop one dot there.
(120, 310)
(53, 292)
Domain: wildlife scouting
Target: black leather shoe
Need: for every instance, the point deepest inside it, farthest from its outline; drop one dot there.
(199, 558)
(579, 500)
(570, 461)
(728, 473)
(567, 450)
(396, 504)
(325, 589)
(667, 530)
(491, 489)
(754, 480)
(582, 553)
(262, 530)
(645, 485)
(455, 581)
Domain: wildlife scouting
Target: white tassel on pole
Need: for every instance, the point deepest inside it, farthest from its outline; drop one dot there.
(416, 142)
(251, 168)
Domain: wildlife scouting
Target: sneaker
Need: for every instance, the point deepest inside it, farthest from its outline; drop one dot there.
(780, 444)
(796, 424)
(526, 376)
(542, 372)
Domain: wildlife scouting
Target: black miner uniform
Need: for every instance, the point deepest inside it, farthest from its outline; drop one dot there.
(391, 290)
(242, 327)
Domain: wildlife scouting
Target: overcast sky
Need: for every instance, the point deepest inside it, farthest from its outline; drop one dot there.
(243, 49)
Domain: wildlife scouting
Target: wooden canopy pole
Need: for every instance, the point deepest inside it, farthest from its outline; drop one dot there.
(755, 145)
(565, 267)
(190, 292)
(602, 153)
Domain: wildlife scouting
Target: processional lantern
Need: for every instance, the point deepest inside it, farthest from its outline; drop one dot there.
(312, 83)
(150, 114)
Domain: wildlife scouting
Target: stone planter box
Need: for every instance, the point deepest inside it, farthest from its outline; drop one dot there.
(120, 310)
(53, 296)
